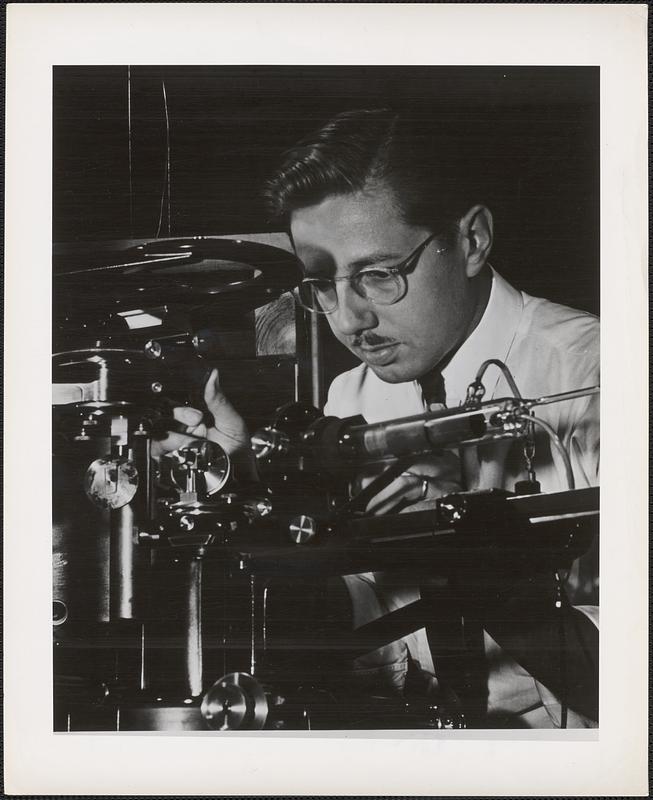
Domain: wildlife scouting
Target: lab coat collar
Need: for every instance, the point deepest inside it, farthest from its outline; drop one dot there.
(492, 338)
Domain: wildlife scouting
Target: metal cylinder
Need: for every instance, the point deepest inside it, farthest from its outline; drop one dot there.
(122, 563)
(193, 624)
(317, 375)
(80, 539)
(416, 434)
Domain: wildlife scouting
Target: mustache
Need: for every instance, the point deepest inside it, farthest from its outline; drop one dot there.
(370, 339)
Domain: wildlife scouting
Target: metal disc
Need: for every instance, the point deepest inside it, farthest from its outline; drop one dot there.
(208, 458)
(302, 529)
(235, 702)
(111, 482)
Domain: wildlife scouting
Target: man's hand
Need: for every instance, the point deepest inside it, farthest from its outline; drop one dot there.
(228, 429)
(423, 482)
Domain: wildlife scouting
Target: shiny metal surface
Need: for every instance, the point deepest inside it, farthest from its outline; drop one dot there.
(201, 466)
(80, 536)
(270, 441)
(122, 567)
(302, 529)
(194, 627)
(111, 483)
(235, 702)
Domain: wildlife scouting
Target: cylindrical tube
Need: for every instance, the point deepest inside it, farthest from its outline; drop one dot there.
(80, 539)
(417, 434)
(122, 563)
(143, 659)
(145, 501)
(316, 362)
(194, 626)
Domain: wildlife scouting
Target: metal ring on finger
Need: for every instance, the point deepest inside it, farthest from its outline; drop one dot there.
(425, 484)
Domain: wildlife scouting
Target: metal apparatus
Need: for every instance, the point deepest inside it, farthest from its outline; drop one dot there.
(166, 569)
(133, 340)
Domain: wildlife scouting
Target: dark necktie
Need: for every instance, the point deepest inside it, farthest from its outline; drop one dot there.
(433, 390)
(434, 395)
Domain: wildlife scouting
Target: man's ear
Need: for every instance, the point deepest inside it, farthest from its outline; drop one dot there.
(476, 238)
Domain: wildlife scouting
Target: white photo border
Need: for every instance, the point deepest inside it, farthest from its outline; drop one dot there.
(610, 762)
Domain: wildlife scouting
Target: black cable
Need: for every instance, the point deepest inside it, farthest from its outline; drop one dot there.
(166, 173)
(507, 374)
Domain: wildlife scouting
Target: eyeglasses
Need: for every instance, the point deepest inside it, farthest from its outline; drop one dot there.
(380, 285)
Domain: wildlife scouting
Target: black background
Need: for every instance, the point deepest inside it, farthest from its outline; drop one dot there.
(535, 130)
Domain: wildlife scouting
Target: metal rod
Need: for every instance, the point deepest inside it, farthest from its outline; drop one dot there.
(264, 627)
(121, 563)
(194, 626)
(143, 681)
(316, 361)
(141, 455)
(561, 396)
(252, 621)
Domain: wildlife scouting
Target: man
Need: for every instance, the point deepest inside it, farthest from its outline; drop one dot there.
(394, 242)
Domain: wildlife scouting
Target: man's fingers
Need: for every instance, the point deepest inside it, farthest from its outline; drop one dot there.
(189, 416)
(229, 429)
(404, 488)
(213, 394)
(173, 441)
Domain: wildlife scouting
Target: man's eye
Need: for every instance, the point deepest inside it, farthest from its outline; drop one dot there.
(374, 276)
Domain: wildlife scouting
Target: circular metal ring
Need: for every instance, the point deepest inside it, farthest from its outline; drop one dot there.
(235, 702)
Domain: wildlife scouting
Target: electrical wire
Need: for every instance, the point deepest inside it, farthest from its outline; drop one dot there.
(555, 440)
(507, 374)
(166, 173)
(129, 150)
(165, 100)
(529, 447)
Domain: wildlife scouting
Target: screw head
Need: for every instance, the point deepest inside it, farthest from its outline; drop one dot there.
(153, 349)
(157, 387)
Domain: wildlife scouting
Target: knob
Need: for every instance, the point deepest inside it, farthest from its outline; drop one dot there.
(302, 529)
(270, 442)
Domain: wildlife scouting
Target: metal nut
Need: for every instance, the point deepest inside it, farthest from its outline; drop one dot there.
(187, 523)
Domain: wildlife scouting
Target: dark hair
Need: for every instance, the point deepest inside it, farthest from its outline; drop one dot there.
(422, 161)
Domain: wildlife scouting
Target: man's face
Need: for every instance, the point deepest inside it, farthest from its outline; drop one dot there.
(400, 342)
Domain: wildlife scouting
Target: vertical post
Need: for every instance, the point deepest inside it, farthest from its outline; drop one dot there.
(144, 506)
(317, 379)
(253, 625)
(143, 676)
(258, 601)
(194, 624)
(145, 500)
(303, 378)
(122, 543)
(121, 561)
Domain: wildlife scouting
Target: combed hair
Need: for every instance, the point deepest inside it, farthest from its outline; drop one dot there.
(421, 162)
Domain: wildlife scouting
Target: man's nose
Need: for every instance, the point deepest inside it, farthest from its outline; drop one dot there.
(353, 313)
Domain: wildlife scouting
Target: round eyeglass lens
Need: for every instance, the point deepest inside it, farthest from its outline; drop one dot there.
(380, 287)
(318, 295)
